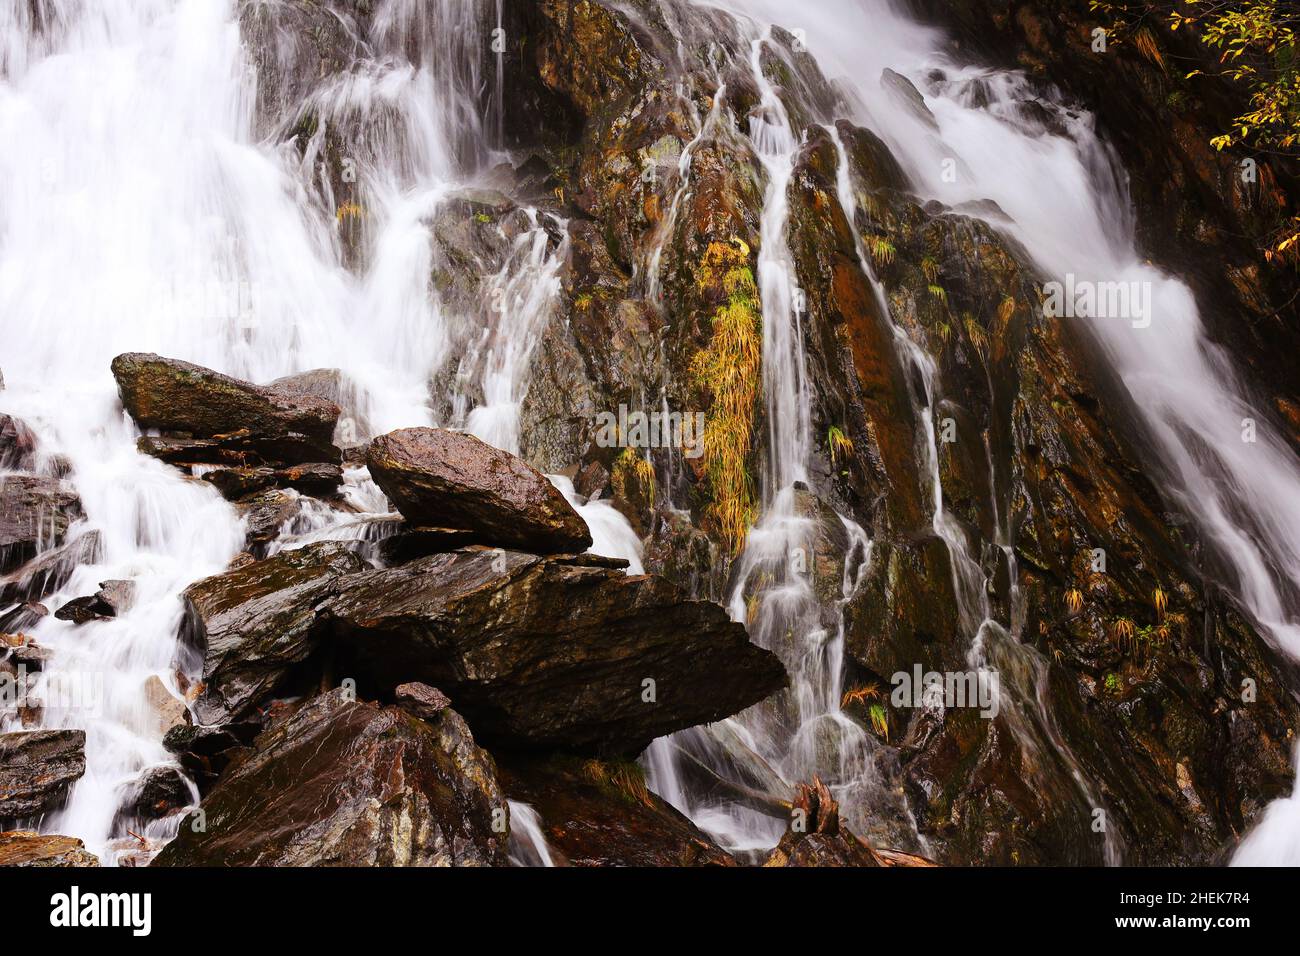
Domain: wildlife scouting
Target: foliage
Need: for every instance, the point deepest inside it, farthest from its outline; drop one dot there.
(729, 371)
(1257, 48)
(840, 444)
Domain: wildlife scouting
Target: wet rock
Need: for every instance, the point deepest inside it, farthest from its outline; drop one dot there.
(331, 385)
(29, 848)
(294, 45)
(30, 655)
(421, 700)
(313, 478)
(410, 543)
(266, 513)
(249, 627)
(35, 513)
(347, 783)
(600, 813)
(50, 570)
(23, 615)
(545, 653)
(36, 769)
(439, 478)
(816, 836)
(204, 752)
(17, 445)
(906, 93)
(158, 792)
(112, 598)
(273, 425)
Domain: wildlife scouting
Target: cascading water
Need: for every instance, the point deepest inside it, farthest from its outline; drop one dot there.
(804, 733)
(1066, 202)
(130, 159)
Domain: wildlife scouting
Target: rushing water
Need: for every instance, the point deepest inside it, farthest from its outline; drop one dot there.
(1066, 201)
(141, 211)
(141, 208)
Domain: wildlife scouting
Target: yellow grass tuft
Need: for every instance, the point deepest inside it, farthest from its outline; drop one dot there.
(729, 371)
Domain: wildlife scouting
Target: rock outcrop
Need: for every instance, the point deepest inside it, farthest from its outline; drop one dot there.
(29, 848)
(444, 479)
(600, 813)
(216, 418)
(349, 783)
(549, 653)
(35, 513)
(249, 627)
(36, 769)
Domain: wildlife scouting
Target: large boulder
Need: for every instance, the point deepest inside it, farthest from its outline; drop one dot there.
(348, 783)
(36, 768)
(443, 479)
(29, 848)
(249, 627)
(550, 653)
(35, 513)
(600, 813)
(275, 425)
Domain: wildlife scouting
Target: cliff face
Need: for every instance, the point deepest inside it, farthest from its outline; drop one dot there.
(1201, 213)
(1128, 683)
(884, 459)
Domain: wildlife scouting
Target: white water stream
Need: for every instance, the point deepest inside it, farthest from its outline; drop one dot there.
(140, 211)
(1067, 202)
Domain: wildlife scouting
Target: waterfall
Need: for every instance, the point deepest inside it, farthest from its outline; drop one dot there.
(1066, 202)
(157, 195)
(133, 163)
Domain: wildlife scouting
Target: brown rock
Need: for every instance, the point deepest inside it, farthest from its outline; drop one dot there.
(346, 783)
(445, 479)
(250, 626)
(275, 425)
(29, 848)
(545, 653)
(35, 513)
(36, 768)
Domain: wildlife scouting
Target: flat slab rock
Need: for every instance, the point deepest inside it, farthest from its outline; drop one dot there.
(443, 479)
(347, 783)
(29, 848)
(36, 769)
(277, 424)
(250, 626)
(545, 653)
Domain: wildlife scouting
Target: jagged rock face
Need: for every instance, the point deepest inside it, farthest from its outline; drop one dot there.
(35, 513)
(549, 653)
(1038, 426)
(36, 768)
(1194, 205)
(598, 813)
(270, 424)
(29, 848)
(1045, 458)
(350, 783)
(249, 627)
(443, 479)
